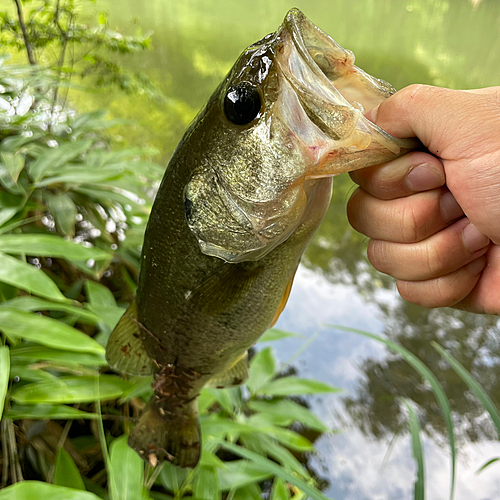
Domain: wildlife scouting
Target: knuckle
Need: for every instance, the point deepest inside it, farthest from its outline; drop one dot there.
(434, 260)
(409, 225)
(376, 255)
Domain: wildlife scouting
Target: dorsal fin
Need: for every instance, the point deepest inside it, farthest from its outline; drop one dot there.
(125, 351)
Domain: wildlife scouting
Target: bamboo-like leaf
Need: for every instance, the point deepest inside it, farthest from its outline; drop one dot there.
(53, 159)
(37, 490)
(127, 469)
(71, 390)
(289, 386)
(37, 304)
(63, 209)
(288, 410)
(4, 375)
(424, 371)
(28, 278)
(262, 369)
(206, 484)
(66, 472)
(45, 331)
(47, 412)
(279, 490)
(70, 358)
(49, 245)
(418, 452)
(275, 469)
(276, 334)
(241, 473)
(474, 386)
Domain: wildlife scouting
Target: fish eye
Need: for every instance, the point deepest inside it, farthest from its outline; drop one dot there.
(242, 103)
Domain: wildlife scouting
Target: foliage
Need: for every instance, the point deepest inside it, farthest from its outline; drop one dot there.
(72, 214)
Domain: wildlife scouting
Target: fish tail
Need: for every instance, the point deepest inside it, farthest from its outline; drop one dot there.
(168, 436)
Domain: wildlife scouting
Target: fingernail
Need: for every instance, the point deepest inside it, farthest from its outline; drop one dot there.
(372, 114)
(450, 209)
(474, 240)
(424, 177)
(476, 266)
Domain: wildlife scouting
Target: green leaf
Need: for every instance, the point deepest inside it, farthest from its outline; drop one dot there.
(82, 175)
(45, 331)
(290, 411)
(474, 386)
(28, 278)
(47, 412)
(424, 372)
(10, 167)
(36, 304)
(4, 375)
(279, 490)
(249, 492)
(37, 490)
(66, 472)
(99, 294)
(223, 399)
(49, 245)
(289, 386)
(262, 369)
(275, 334)
(172, 477)
(53, 159)
(487, 464)
(71, 390)
(274, 469)
(126, 470)
(239, 473)
(418, 452)
(28, 374)
(206, 484)
(64, 211)
(71, 358)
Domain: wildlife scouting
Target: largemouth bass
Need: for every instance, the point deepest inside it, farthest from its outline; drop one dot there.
(244, 192)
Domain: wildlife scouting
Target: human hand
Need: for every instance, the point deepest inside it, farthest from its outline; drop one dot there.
(434, 221)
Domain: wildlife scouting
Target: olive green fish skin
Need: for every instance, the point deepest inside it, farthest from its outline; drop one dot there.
(207, 337)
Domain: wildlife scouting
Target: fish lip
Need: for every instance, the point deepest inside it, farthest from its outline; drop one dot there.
(294, 24)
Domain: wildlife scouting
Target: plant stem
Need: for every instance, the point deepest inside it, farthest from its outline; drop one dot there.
(27, 44)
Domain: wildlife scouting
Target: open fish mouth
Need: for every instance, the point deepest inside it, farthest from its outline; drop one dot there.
(323, 100)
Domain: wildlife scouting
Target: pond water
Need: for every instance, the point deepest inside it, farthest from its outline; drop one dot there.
(453, 43)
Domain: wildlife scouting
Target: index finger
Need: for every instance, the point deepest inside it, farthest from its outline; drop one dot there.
(412, 173)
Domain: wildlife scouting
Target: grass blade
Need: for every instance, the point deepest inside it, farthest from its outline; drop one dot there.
(418, 452)
(487, 464)
(275, 469)
(474, 386)
(425, 372)
(4, 375)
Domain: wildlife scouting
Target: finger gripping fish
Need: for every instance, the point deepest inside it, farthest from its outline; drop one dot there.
(244, 192)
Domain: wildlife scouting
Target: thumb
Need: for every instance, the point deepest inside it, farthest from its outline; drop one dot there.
(425, 112)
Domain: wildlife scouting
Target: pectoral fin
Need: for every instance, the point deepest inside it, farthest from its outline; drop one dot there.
(125, 351)
(235, 375)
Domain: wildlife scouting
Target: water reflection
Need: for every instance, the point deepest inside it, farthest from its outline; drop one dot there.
(441, 42)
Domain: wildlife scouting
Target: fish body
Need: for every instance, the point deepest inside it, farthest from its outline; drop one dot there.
(243, 194)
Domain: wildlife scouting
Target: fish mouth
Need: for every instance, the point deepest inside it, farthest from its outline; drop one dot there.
(323, 100)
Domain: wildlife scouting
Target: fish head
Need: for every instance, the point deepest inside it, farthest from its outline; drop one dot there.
(291, 110)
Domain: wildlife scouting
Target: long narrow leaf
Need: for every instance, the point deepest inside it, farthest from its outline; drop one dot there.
(425, 372)
(4, 375)
(66, 472)
(418, 452)
(49, 245)
(127, 470)
(46, 331)
(275, 469)
(28, 278)
(474, 386)
(37, 490)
